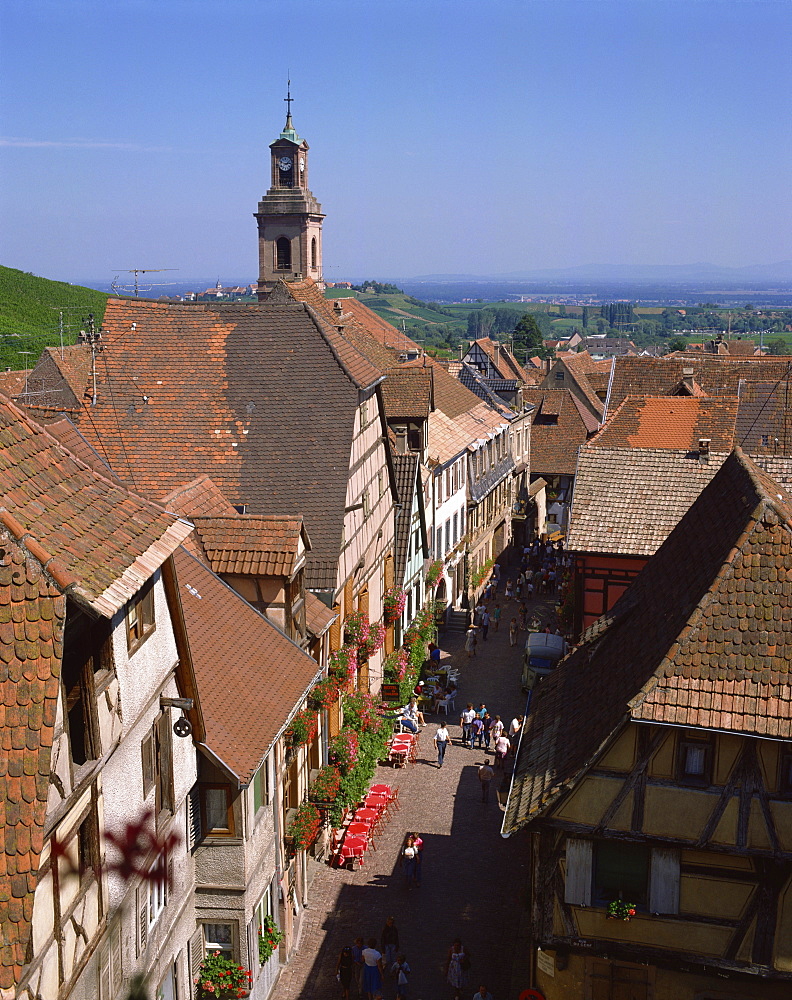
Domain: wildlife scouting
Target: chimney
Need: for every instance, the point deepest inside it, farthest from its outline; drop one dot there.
(462, 350)
(687, 380)
(497, 351)
(704, 450)
(548, 364)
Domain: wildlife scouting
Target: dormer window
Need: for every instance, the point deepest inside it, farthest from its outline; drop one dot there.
(140, 617)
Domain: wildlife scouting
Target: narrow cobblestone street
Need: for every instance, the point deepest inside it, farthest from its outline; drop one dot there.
(474, 882)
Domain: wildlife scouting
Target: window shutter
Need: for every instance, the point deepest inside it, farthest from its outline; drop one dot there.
(578, 871)
(664, 880)
(363, 601)
(165, 748)
(196, 953)
(142, 912)
(193, 818)
(252, 940)
(169, 882)
(335, 629)
(104, 974)
(116, 959)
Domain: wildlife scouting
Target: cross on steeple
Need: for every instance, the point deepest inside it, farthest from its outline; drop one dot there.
(288, 99)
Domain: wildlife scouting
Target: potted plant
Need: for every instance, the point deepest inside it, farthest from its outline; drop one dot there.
(619, 910)
(356, 627)
(269, 937)
(344, 749)
(324, 693)
(393, 604)
(343, 663)
(434, 571)
(373, 641)
(304, 827)
(325, 786)
(221, 978)
(302, 728)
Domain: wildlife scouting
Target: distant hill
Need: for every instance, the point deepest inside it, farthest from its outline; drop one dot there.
(30, 319)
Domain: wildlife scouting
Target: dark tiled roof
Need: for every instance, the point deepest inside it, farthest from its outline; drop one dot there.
(764, 418)
(32, 618)
(702, 638)
(406, 470)
(554, 446)
(261, 398)
(201, 497)
(94, 537)
(670, 422)
(579, 366)
(251, 544)
(256, 657)
(627, 500)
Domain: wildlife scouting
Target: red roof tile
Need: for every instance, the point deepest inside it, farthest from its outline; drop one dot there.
(256, 658)
(252, 544)
(670, 422)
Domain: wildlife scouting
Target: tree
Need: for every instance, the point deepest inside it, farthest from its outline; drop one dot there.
(677, 344)
(779, 346)
(528, 335)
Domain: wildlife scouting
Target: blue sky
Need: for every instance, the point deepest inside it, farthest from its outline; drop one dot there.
(447, 136)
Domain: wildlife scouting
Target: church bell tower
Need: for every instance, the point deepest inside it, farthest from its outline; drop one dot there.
(289, 217)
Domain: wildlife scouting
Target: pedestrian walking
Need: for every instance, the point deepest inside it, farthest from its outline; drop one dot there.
(441, 740)
(389, 942)
(496, 576)
(372, 969)
(401, 971)
(419, 846)
(502, 747)
(516, 726)
(479, 610)
(509, 590)
(409, 861)
(471, 642)
(514, 629)
(487, 724)
(466, 722)
(485, 624)
(523, 617)
(477, 732)
(485, 775)
(457, 965)
(357, 957)
(345, 970)
(496, 617)
(496, 729)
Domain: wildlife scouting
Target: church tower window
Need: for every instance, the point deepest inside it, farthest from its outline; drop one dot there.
(283, 254)
(313, 253)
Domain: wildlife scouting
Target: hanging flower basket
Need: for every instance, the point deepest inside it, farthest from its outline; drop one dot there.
(356, 628)
(619, 910)
(269, 937)
(393, 604)
(220, 978)
(325, 786)
(324, 694)
(395, 666)
(374, 641)
(434, 571)
(302, 729)
(304, 828)
(344, 750)
(343, 662)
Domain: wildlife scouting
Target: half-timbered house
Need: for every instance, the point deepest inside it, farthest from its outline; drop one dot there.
(653, 776)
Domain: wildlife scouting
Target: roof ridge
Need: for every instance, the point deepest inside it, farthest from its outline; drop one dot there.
(327, 337)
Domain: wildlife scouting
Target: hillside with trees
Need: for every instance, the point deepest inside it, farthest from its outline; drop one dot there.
(36, 313)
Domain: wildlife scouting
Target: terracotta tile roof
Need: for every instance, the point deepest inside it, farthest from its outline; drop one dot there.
(96, 539)
(503, 360)
(627, 500)
(716, 376)
(64, 430)
(407, 393)
(678, 422)
(579, 366)
(12, 383)
(702, 638)
(61, 377)
(237, 387)
(32, 619)
(378, 328)
(251, 544)
(559, 427)
(196, 498)
(256, 658)
(318, 617)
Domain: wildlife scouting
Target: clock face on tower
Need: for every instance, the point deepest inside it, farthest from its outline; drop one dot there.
(284, 163)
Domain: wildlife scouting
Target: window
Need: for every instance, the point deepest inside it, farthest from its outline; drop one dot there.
(364, 414)
(456, 528)
(615, 980)
(261, 787)
(559, 375)
(219, 937)
(694, 760)
(439, 544)
(380, 483)
(439, 488)
(111, 972)
(313, 253)
(217, 814)
(87, 848)
(152, 897)
(785, 772)
(621, 871)
(156, 752)
(87, 662)
(448, 534)
(366, 503)
(282, 254)
(140, 617)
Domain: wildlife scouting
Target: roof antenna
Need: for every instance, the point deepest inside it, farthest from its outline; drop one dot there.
(136, 271)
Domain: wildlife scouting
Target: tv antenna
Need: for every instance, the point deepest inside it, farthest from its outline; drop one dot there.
(137, 271)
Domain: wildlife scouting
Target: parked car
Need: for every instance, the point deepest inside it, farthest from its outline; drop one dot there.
(542, 651)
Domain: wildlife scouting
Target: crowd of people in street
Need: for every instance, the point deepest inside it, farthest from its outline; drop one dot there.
(368, 964)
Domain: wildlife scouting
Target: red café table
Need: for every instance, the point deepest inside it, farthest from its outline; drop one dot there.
(358, 830)
(376, 800)
(353, 847)
(381, 790)
(367, 816)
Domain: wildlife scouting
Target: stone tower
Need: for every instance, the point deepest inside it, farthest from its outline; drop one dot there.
(289, 217)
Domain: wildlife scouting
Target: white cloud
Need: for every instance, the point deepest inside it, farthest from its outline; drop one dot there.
(11, 140)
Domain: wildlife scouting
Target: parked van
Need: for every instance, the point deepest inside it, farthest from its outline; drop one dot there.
(542, 651)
